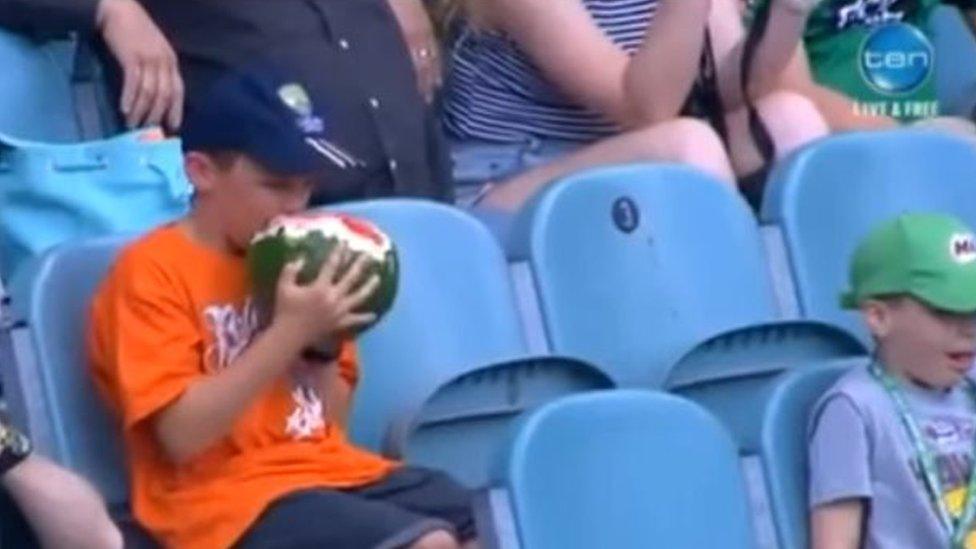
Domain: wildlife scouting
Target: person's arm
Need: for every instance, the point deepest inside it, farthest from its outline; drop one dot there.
(152, 91)
(838, 110)
(48, 17)
(662, 72)
(774, 51)
(577, 57)
(303, 315)
(840, 474)
(837, 525)
(152, 88)
(61, 507)
(208, 408)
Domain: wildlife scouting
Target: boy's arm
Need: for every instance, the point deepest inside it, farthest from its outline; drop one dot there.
(837, 525)
(209, 406)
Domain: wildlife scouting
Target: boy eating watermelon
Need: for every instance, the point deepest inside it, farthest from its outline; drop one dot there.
(234, 435)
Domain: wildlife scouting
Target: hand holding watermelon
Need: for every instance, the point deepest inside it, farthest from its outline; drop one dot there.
(328, 261)
(325, 307)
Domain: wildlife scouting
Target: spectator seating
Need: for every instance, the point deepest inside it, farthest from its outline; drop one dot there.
(623, 468)
(955, 61)
(825, 197)
(52, 91)
(760, 382)
(36, 90)
(454, 315)
(633, 265)
(459, 427)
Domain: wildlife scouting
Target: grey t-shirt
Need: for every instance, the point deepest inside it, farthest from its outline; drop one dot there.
(859, 449)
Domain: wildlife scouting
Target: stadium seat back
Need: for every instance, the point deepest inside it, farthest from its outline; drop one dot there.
(785, 446)
(955, 61)
(754, 381)
(35, 89)
(460, 428)
(454, 312)
(633, 264)
(827, 196)
(625, 469)
(53, 296)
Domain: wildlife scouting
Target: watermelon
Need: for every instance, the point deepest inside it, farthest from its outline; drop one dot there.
(312, 237)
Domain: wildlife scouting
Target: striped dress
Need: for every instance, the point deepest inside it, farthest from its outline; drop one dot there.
(496, 93)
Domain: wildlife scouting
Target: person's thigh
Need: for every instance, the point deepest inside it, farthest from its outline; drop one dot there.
(330, 518)
(791, 121)
(427, 493)
(480, 164)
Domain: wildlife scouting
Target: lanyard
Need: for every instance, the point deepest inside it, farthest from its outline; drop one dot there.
(957, 529)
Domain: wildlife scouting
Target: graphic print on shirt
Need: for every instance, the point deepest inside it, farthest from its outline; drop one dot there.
(233, 329)
(868, 13)
(951, 440)
(306, 419)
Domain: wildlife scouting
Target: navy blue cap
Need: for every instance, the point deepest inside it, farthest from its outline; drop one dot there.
(270, 119)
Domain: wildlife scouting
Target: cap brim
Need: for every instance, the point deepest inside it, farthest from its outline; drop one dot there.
(956, 296)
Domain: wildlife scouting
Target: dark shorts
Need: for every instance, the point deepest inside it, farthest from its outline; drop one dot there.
(394, 512)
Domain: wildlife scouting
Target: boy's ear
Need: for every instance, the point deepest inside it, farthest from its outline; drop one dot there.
(877, 315)
(201, 170)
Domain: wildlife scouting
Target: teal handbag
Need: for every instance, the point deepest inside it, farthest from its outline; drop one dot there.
(52, 193)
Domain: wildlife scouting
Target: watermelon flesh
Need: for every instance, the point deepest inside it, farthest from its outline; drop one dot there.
(312, 238)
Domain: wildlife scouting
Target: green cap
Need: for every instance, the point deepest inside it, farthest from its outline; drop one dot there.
(931, 257)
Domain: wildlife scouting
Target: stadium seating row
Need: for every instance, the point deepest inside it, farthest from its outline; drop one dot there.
(649, 277)
(536, 367)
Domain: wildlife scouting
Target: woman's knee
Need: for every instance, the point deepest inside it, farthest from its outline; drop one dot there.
(694, 142)
(792, 120)
(438, 539)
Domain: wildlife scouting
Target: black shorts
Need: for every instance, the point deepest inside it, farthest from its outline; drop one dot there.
(394, 512)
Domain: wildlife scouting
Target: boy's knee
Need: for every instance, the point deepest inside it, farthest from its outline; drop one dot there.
(438, 539)
(792, 119)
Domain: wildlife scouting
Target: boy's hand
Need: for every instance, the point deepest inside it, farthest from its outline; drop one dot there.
(324, 308)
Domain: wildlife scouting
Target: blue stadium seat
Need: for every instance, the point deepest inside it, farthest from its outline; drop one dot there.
(759, 382)
(635, 264)
(624, 469)
(459, 428)
(49, 377)
(785, 446)
(825, 197)
(36, 89)
(955, 61)
(454, 315)
(453, 311)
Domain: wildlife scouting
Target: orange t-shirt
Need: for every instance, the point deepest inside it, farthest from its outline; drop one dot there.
(170, 312)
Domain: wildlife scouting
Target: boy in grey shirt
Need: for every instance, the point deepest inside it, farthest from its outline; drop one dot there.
(891, 448)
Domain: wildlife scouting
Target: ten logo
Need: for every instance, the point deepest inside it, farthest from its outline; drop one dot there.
(896, 59)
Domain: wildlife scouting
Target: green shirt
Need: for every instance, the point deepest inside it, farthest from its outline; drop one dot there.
(834, 36)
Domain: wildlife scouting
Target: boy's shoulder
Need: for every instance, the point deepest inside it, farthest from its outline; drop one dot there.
(857, 389)
(153, 253)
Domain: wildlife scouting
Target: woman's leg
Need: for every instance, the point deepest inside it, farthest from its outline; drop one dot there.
(791, 120)
(683, 140)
